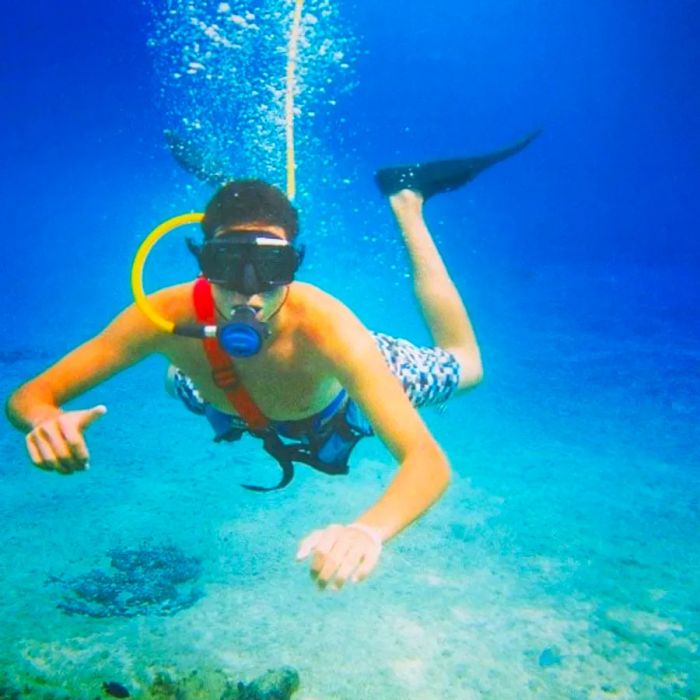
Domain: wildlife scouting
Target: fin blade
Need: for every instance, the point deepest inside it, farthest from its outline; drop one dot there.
(433, 177)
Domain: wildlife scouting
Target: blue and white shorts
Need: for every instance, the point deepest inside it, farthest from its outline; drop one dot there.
(429, 376)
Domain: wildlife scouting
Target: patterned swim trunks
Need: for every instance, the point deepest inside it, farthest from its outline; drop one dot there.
(429, 376)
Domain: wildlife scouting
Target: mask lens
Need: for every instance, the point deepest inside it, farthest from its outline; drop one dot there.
(275, 265)
(221, 263)
(242, 265)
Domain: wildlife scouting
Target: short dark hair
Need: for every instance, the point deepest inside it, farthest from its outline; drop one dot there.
(250, 201)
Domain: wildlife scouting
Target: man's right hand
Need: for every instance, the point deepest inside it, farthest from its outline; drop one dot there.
(57, 443)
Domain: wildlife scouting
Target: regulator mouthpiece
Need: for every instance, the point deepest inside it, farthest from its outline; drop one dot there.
(244, 335)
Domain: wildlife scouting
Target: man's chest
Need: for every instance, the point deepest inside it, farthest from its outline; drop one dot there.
(286, 381)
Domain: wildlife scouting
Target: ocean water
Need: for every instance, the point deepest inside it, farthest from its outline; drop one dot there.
(564, 560)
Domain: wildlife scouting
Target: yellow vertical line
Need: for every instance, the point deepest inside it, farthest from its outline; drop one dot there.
(289, 98)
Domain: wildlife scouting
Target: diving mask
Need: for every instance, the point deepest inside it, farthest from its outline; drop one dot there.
(248, 262)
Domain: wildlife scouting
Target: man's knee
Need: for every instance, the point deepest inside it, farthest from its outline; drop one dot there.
(471, 370)
(170, 377)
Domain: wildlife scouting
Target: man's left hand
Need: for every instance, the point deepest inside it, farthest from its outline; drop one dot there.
(340, 553)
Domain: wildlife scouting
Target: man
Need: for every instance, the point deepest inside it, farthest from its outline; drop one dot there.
(306, 366)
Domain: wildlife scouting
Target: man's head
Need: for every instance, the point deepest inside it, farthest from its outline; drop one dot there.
(249, 204)
(249, 228)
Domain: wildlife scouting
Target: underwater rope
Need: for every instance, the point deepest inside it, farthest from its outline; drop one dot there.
(289, 97)
(184, 219)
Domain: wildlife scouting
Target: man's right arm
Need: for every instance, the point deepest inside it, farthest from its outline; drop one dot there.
(54, 437)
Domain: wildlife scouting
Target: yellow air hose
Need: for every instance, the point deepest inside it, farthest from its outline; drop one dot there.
(140, 260)
(194, 218)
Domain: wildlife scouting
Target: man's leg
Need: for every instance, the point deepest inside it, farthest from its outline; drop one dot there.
(407, 187)
(440, 302)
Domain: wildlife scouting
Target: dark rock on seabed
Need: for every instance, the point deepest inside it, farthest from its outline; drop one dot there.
(205, 684)
(140, 581)
(274, 684)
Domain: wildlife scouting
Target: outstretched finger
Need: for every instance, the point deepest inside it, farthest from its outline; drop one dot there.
(319, 541)
(90, 415)
(308, 544)
(328, 538)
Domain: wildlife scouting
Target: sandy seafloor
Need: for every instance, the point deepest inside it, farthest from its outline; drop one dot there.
(571, 525)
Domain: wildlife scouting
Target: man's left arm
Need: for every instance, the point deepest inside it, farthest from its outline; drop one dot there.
(352, 551)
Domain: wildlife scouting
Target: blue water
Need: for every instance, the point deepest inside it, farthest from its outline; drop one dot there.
(564, 560)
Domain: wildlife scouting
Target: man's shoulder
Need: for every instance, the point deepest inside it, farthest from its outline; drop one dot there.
(324, 318)
(174, 303)
(313, 303)
(132, 328)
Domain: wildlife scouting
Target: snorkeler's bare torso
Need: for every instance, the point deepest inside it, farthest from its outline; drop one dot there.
(289, 379)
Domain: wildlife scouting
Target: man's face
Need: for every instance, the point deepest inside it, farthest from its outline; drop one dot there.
(266, 302)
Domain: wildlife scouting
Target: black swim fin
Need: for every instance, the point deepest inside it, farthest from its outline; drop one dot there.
(194, 161)
(443, 175)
